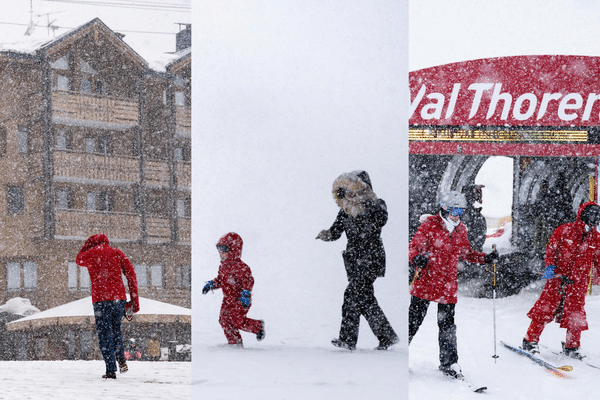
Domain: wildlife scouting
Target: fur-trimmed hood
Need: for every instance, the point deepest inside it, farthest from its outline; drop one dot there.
(353, 185)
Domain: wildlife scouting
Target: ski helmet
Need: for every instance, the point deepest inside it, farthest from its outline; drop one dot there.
(453, 199)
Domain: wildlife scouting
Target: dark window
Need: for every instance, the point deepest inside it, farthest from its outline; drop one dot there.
(2, 141)
(15, 199)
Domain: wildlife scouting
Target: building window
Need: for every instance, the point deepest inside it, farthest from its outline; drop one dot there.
(79, 277)
(100, 201)
(180, 99)
(2, 141)
(64, 199)
(86, 86)
(184, 208)
(16, 200)
(149, 276)
(61, 63)
(22, 140)
(64, 139)
(101, 145)
(184, 276)
(21, 275)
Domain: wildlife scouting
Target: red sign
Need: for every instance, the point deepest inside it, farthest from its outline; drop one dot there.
(562, 91)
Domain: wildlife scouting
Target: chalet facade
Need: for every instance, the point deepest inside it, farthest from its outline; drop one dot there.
(93, 140)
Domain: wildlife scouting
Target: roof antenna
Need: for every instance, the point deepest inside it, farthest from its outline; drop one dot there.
(31, 25)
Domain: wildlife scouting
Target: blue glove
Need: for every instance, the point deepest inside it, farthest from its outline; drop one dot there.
(245, 299)
(208, 287)
(549, 272)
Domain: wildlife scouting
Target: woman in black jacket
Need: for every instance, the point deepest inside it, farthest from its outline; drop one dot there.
(361, 217)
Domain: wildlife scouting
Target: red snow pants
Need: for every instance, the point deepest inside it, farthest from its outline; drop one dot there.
(233, 319)
(573, 316)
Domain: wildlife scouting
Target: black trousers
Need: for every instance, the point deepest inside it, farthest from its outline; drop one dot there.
(359, 299)
(447, 328)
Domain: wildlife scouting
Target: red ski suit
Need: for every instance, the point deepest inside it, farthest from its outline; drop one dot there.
(437, 282)
(234, 276)
(573, 255)
(105, 264)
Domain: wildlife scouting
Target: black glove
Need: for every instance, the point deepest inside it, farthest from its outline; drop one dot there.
(492, 257)
(420, 261)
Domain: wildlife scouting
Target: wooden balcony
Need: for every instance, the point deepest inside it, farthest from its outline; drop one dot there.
(183, 121)
(75, 106)
(184, 175)
(81, 224)
(185, 230)
(158, 230)
(156, 173)
(72, 166)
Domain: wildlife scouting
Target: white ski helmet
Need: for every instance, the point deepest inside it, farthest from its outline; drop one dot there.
(453, 199)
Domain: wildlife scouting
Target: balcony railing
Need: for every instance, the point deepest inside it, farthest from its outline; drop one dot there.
(183, 120)
(76, 166)
(80, 106)
(81, 224)
(158, 230)
(184, 174)
(156, 173)
(185, 230)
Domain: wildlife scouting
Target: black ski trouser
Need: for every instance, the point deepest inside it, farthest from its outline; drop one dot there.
(359, 299)
(447, 328)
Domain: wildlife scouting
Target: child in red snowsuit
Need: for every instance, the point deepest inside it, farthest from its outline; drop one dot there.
(235, 278)
(572, 251)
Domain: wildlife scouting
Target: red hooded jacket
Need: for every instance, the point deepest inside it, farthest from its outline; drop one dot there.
(573, 255)
(437, 282)
(234, 275)
(105, 264)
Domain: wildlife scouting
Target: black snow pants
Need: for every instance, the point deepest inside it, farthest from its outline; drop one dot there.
(447, 327)
(359, 299)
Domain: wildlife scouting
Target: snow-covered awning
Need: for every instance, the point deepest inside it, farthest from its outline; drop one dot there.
(82, 312)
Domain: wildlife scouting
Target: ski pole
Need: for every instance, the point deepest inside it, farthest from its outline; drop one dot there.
(495, 356)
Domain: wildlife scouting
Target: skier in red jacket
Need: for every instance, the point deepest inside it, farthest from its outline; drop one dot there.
(105, 265)
(235, 278)
(435, 249)
(572, 251)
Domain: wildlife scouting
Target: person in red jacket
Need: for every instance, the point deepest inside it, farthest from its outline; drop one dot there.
(105, 265)
(235, 278)
(571, 253)
(435, 249)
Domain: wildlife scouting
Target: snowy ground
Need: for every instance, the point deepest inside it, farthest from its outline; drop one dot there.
(79, 380)
(296, 359)
(511, 376)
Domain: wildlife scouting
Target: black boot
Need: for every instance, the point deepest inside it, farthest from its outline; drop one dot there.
(531, 347)
(452, 371)
(110, 375)
(386, 343)
(261, 334)
(572, 352)
(343, 345)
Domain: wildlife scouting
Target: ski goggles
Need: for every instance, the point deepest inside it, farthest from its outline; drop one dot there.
(223, 248)
(455, 211)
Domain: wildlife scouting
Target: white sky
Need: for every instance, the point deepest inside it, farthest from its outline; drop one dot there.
(442, 31)
(135, 23)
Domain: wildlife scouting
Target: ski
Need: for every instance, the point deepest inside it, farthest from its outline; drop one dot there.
(584, 361)
(558, 371)
(463, 381)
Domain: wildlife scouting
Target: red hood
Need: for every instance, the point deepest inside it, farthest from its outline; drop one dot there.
(94, 241)
(235, 243)
(582, 207)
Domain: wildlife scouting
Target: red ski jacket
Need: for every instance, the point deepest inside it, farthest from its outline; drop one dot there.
(234, 275)
(105, 264)
(437, 282)
(573, 255)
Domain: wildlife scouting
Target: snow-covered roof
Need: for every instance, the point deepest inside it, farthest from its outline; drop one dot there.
(161, 62)
(29, 45)
(82, 311)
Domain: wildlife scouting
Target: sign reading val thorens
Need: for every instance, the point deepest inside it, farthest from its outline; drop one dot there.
(545, 91)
